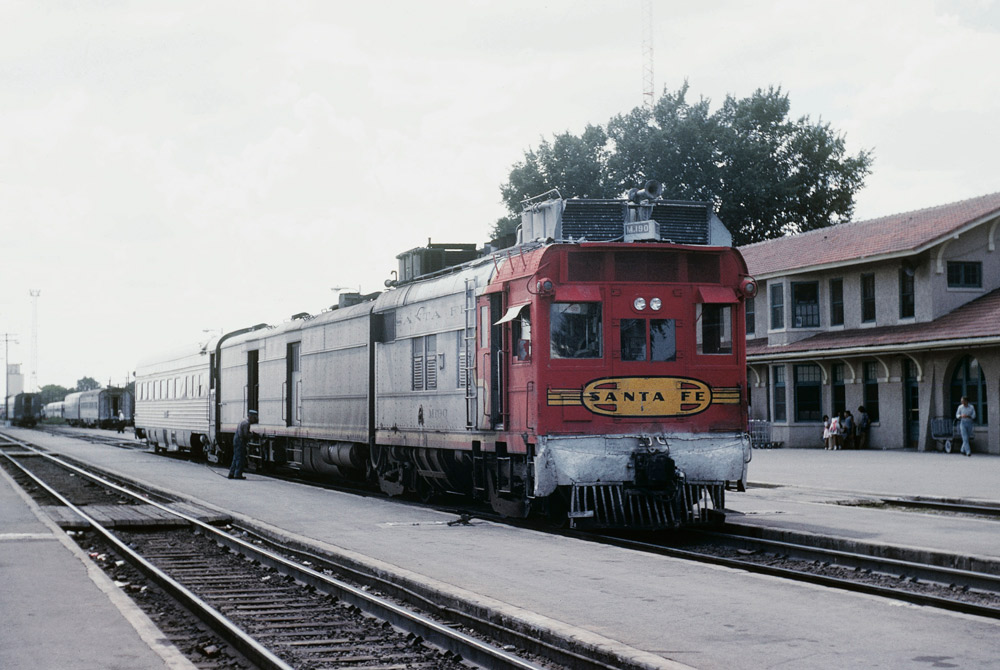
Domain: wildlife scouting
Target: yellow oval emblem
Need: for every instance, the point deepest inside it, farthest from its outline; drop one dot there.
(647, 396)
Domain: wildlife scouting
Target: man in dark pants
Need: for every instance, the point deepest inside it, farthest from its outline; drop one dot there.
(240, 440)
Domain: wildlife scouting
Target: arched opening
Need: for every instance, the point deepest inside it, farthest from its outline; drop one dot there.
(968, 380)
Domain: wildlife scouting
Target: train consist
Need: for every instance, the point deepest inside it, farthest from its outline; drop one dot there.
(594, 371)
(24, 409)
(97, 408)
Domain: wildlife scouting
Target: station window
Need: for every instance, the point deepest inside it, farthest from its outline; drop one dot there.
(808, 392)
(576, 329)
(780, 413)
(871, 390)
(839, 391)
(837, 302)
(965, 274)
(906, 294)
(805, 304)
(777, 293)
(968, 380)
(867, 298)
(751, 316)
(715, 334)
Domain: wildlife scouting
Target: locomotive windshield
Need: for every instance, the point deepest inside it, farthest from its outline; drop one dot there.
(662, 340)
(576, 330)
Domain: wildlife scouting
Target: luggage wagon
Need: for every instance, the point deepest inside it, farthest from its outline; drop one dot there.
(945, 432)
(760, 435)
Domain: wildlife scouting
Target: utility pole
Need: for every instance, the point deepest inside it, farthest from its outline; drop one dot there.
(646, 20)
(7, 339)
(33, 382)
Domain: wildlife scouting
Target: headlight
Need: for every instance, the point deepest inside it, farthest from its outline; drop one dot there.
(639, 304)
(655, 304)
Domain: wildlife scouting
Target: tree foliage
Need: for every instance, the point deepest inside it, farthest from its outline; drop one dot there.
(766, 174)
(53, 393)
(87, 384)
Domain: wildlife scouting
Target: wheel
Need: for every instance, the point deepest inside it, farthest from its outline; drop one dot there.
(947, 446)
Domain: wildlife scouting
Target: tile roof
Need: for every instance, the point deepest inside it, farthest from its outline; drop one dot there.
(853, 241)
(975, 319)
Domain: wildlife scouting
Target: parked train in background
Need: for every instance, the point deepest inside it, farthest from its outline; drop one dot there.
(98, 408)
(53, 410)
(594, 372)
(24, 409)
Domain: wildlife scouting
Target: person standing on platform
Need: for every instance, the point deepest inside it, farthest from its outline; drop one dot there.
(847, 426)
(826, 432)
(966, 414)
(833, 442)
(864, 424)
(120, 423)
(240, 440)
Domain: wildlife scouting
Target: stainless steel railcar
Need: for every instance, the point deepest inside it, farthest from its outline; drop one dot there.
(53, 410)
(98, 408)
(173, 399)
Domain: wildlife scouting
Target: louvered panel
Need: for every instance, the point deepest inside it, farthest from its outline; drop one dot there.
(595, 220)
(682, 223)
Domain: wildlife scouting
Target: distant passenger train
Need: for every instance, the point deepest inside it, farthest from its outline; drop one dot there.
(595, 371)
(24, 409)
(98, 408)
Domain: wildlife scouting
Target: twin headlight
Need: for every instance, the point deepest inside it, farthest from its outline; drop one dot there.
(654, 304)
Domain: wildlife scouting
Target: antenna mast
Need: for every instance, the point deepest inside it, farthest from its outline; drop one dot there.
(33, 382)
(647, 54)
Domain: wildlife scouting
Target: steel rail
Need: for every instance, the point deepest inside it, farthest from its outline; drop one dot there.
(811, 578)
(249, 647)
(468, 647)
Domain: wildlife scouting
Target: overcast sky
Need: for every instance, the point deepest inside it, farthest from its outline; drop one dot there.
(170, 167)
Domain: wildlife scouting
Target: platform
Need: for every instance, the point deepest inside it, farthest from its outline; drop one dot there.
(57, 610)
(658, 611)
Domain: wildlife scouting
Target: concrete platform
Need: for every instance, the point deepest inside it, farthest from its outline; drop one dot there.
(818, 492)
(57, 610)
(659, 611)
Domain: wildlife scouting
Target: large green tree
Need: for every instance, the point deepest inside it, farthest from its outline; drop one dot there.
(766, 174)
(87, 384)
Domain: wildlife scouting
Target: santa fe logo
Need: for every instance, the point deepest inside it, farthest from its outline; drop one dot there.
(645, 396)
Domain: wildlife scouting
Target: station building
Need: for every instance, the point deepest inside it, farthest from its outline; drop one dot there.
(900, 314)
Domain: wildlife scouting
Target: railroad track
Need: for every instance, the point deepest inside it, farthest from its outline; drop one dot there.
(276, 612)
(971, 591)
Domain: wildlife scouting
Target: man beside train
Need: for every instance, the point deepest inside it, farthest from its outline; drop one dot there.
(240, 440)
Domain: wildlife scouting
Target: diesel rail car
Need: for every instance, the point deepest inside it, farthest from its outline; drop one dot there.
(593, 372)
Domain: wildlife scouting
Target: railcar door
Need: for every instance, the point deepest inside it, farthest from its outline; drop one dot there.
(293, 386)
(491, 359)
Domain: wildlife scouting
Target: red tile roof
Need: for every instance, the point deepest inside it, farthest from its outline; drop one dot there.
(979, 318)
(853, 241)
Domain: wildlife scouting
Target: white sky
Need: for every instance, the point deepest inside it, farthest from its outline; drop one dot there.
(170, 166)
